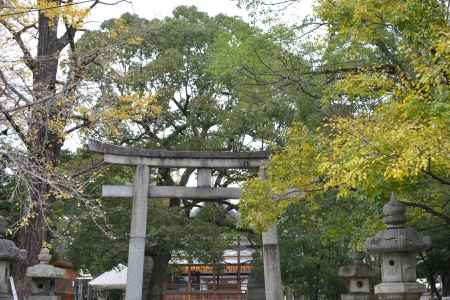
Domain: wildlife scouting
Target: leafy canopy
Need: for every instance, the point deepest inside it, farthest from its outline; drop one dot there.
(391, 61)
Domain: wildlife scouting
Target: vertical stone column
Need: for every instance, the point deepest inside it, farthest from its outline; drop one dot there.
(398, 246)
(43, 277)
(357, 276)
(136, 249)
(9, 253)
(272, 270)
(271, 255)
(204, 178)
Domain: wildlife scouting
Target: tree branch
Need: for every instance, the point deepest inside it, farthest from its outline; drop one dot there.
(16, 127)
(435, 177)
(13, 89)
(429, 210)
(30, 62)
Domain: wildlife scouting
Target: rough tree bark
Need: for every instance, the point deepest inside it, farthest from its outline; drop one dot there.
(44, 144)
(160, 256)
(158, 276)
(44, 136)
(446, 283)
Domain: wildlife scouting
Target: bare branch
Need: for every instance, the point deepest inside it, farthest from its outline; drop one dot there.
(429, 210)
(17, 35)
(435, 177)
(13, 89)
(16, 127)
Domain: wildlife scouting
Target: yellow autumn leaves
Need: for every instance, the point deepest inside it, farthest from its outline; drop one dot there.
(73, 14)
(132, 107)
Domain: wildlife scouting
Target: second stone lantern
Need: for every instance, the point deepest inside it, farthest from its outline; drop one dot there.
(357, 276)
(398, 246)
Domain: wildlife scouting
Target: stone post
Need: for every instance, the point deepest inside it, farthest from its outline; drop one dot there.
(8, 254)
(398, 246)
(357, 276)
(136, 247)
(272, 270)
(271, 256)
(43, 278)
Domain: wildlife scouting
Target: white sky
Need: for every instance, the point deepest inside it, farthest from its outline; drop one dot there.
(159, 9)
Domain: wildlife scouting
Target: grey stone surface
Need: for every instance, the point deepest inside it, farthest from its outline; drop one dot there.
(357, 276)
(98, 147)
(270, 236)
(204, 178)
(8, 249)
(398, 240)
(8, 254)
(271, 256)
(5, 290)
(136, 248)
(43, 277)
(219, 163)
(43, 269)
(357, 297)
(272, 272)
(398, 267)
(355, 270)
(397, 237)
(399, 291)
(178, 159)
(398, 246)
(179, 192)
(41, 297)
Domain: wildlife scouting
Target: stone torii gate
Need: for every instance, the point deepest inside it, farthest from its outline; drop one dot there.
(144, 159)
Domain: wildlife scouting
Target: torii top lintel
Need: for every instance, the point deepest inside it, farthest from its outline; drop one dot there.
(178, 159)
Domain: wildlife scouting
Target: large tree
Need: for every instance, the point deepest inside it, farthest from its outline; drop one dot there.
(170, 65)
(38, 102)
(388, 75)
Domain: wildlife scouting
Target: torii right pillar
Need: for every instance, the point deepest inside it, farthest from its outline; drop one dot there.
(272, 270)
(398, 246)
(271, 255)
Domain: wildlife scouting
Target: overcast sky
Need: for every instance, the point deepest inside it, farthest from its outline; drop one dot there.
(158, 9)
(161, 8)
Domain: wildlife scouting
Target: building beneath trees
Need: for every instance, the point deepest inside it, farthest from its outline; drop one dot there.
(188, 279)
(197, 280)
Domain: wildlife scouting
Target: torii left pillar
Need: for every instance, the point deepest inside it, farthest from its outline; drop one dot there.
(136, 249)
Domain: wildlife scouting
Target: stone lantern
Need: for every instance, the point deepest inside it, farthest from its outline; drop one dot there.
(357, 276)
(43, 277)
(9, 254)
(398, 246)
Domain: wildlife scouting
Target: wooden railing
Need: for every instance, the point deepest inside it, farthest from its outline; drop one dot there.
(204, 295)
(206, 291)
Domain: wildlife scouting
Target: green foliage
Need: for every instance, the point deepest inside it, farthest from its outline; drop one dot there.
(310, 259)
(386, 68)
(394, 134)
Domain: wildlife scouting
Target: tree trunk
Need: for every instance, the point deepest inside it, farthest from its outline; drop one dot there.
(159, 275)
(44, 144)
(445, 284)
